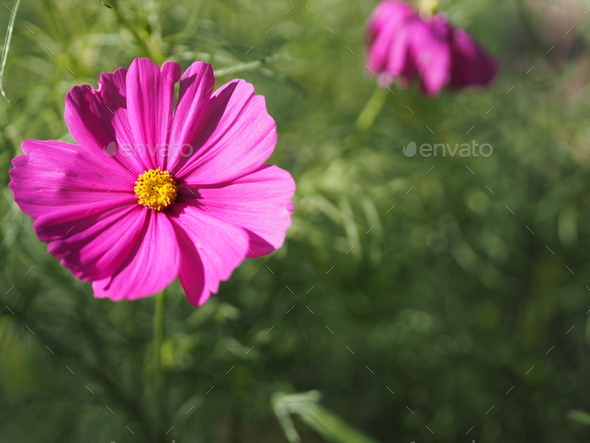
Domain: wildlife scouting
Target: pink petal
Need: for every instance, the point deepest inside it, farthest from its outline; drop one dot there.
(431, 53)
(195, 90)
(259, 202)
(384, 29)
(387, 14)
(93, 239)
(471, 64)
(210, 249)
(385, 56)
(54, 174)
(150, 100)
(400, 63)
(97, 120)
(237, 136)
(192, 271)
(149, 267)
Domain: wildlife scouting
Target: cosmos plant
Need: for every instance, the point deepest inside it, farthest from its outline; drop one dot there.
(155, 188)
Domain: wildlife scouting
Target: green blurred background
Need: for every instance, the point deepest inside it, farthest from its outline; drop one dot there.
(454, 317)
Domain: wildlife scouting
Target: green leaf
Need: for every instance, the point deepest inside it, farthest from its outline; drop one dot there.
(306, 406)
(580, 417)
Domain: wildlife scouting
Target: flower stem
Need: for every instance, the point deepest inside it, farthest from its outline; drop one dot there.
(371, 110)
(159, 310)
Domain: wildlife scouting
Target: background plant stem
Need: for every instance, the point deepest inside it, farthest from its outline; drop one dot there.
(6, 46)
(148, 42)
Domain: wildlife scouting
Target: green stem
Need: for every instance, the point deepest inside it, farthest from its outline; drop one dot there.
(371, 110)
(4, 55)
(160, 304)
(148, 42)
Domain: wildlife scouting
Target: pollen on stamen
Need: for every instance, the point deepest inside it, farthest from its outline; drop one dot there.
(155, 189)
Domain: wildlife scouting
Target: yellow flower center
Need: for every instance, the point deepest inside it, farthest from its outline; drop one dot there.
(155, 189)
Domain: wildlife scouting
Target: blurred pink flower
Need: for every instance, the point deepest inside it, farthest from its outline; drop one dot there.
(155, 189)
(402, 45)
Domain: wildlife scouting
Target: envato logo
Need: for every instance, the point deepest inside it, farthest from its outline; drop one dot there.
(444, 149)
(127, 150)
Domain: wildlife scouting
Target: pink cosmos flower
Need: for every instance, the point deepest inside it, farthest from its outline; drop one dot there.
(403, 45)
(180, 190)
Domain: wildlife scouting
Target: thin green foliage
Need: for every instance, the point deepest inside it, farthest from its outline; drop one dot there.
(6, 47)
